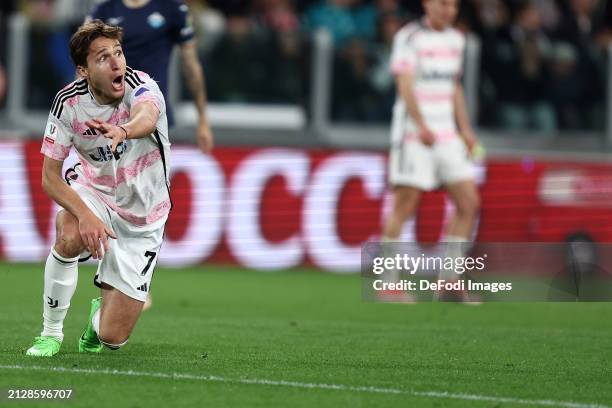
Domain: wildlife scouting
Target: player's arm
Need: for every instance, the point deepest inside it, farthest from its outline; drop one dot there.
(463, 119)
(405, 88)
(91, 228)
(197, 86)
(143, 122)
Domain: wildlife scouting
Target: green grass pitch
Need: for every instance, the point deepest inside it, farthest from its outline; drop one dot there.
(225, 337)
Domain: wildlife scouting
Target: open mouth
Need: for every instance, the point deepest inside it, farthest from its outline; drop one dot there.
(118, 83)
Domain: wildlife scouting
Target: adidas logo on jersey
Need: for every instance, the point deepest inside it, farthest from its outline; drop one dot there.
(90, 132)
(142, 288)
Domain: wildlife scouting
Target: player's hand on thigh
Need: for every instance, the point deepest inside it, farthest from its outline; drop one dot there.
(95, 234)
(470, 140)
(427, 136)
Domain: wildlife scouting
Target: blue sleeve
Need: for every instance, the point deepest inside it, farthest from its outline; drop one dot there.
(181, 27)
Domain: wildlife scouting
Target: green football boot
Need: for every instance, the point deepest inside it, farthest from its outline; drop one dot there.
(89, 342)
(44, 346)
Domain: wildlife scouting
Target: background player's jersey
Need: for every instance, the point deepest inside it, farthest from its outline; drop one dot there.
(133, 181)
(149, 34)
(435, 58)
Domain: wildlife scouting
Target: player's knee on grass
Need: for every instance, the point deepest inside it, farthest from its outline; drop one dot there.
(114, 336)
(68, 242)
(114, 345)
(118, 316)
(113, 341)
(115, 325)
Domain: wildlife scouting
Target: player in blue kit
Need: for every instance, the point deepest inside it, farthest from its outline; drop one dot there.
(151, 29)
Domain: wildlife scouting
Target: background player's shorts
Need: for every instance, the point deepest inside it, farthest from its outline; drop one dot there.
(128, 265)
(427, 168)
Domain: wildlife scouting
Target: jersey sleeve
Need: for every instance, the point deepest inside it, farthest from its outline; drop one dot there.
(57, 139)
(403, 53)
(145, 90)
(182, 28)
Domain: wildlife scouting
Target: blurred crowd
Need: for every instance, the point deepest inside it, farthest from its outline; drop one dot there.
(543, 62)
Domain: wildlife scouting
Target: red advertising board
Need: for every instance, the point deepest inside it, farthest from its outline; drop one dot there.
(273, 208)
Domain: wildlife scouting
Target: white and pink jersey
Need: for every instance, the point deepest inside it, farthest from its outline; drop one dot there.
(435, 58)
(133, 181)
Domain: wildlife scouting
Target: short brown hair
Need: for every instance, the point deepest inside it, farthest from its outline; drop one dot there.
(86, 34)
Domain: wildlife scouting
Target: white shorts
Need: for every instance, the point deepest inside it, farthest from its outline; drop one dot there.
(429, 167)
(129, 263)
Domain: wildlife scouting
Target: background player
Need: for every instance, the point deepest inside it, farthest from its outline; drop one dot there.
(427, 148)
(121, 191)
(151, 30)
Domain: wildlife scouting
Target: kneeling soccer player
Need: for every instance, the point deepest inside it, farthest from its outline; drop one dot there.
(118, 202)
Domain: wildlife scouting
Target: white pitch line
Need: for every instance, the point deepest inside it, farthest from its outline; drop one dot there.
(295, 384)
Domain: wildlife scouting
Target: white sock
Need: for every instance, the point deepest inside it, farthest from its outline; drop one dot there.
(384, 239)
(454, 238)
(95, 321)
(61, 276)
(456, 247)
(389, 251)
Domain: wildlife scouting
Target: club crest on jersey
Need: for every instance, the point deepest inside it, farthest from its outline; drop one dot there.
(156, 20)
(114, 21)
(104, 153)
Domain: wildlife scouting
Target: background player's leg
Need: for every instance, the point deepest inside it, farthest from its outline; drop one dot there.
(467, 204)
(61, 274)
(405, 202)
(117, 317)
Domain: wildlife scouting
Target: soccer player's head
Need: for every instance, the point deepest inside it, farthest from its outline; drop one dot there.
(441, 13)
(96, 51)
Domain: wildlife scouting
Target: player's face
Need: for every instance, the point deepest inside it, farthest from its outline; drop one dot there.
(105, 70)
(441, 13)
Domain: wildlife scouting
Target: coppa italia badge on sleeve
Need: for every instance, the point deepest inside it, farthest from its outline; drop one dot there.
(51, 133)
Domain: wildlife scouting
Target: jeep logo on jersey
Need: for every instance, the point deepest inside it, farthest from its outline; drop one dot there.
(104, 153)
(438, 75)
(156, 20)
